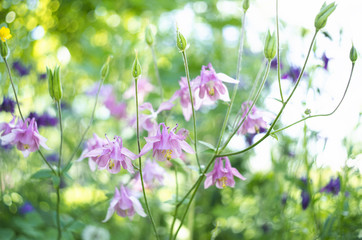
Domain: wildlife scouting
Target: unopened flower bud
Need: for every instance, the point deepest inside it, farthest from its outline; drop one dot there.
(4, 49)
(270, 47)
(136, 68)
(307, 111)
(54, 83)
(181, 41)
(353, 54)
(246, 5)
(321, 18)
(105, 68)
(149, 36)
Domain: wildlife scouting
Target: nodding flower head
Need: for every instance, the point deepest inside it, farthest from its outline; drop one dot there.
(166, 144)
(222, 176)
(254, 122)
(334, 186)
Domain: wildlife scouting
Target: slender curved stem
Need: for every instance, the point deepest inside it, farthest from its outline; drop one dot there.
(238, 70)
(176, 208)
(281, 110)
(321, 115)
(156, 71)
(192, 106)
(140, 163)
(89, 124)
(59, 164)
(278, 51)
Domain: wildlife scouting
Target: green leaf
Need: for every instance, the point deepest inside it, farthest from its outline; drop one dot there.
(67, 167)
(274, 136)
(7, 233)
(180, 164)
(56, 181)
(206, 144)
(42, 173)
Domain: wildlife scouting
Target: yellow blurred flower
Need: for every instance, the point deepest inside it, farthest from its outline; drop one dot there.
(5, 34)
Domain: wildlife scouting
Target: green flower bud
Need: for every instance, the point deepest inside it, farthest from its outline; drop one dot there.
(246, 5)
(57, 84)
(270, 47)
(105, 68)
(353, 54)
(321, 18)
(136, 68)
(4, 49)
(307, 111)
(181, 41)
(149, 36)
(50, 82)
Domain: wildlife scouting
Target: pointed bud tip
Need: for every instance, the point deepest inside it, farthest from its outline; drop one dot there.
(353, 54)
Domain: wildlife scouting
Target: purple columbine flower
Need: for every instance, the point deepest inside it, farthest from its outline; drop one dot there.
(167, 145)
(52, 158)
(117, 109)
(42, 76)
(26, 137)
(250, 137)
(93, 143)
(8, 105)
(334, 186)
(44, 120)
(274, 64)
(222, 176)
(211, 87)
(144, 87)
(125, 204)
(292, 74)
(254, 122)
(26, 208)
(153, 175)
(112, 155)
(305, 199)
(104, 92)
(325, 60)
(21, 69)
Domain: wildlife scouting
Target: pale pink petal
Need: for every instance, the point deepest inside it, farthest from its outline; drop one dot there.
(185, 146)
(137, 206)
(109, 214)
(236, 173)
(225, 78)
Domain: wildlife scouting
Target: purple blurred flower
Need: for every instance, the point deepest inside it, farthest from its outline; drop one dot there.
(105, 90)
(167, 145)
(334, 186)
(274, 64)
(125, 204)
(117, 109)
(222, 176)
(26, 208)
(44, 120)
(284, 198)
(93, 143)
(52, 158)
(42, 76)
(112, 155)
(292, 74)
(144, 87)
(254, 122)
(21, 69)
(153, 175)
(325, 60)
(26, 137)
(250, 137)
(305, 199)
(8, 105)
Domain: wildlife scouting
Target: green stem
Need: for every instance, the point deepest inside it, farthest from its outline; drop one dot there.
(281, 110)
(21, 115)
(192, 106)
(89, 125)
(238, 70)
(278, 53)
(157, 72)
(321, 115)
(140, 163)
(176, 208)
(59, 172)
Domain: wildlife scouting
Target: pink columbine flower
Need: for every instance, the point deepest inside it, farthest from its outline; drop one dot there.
(253, 122)
(25, 135)
(167, 144)
(144, 87)
(117, 109)
(211, 87)
(112, 155)
(149, 121)
(222, 176)
(6, 128)
(153, 175)
(125, 204)
(93, 143)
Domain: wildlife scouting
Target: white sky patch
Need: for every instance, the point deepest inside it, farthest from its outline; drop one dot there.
(63, 55)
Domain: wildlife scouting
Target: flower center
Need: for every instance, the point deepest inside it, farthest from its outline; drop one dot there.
(26, 146)
(111, 164)
(223, 181)
(167, 153)
(211, 88)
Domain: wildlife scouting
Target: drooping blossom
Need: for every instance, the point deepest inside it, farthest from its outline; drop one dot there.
(305, 199)
(148, 122)
(112, 155)
(125, 204)
(44, 120)
(25, 136)
(21, 69)
(42, 76)
(167, 144)
(93, 143)
(254, 122)
(250, 136)
(6, 128)
(144, 87)
(292, 74)
(222, 176)
(184, 95)
(8, 105)
(211, 86)
(153, 175)
(334, 186)
(117, 109)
